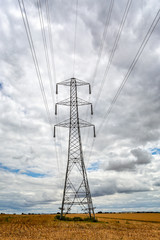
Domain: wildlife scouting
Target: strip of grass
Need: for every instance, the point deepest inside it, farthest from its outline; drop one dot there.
(76, 219)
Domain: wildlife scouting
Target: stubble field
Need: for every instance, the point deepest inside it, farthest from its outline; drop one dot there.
(126, 226)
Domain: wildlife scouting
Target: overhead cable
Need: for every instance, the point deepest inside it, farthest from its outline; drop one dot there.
(136, 58)
(124, 17)
(44, 38)
(35, 61)
(34, 56)
(50, 39)
(102, 41)
(75, 38)
(45, 48)
(52, 59)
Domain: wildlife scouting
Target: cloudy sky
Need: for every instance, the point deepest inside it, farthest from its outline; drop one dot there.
(122, 162)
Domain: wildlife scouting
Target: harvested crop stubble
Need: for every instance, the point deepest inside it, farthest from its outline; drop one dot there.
(31, 227)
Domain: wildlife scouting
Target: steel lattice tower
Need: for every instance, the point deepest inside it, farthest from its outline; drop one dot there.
(76, 187)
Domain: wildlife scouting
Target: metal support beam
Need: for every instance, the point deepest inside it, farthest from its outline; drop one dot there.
(76, 187)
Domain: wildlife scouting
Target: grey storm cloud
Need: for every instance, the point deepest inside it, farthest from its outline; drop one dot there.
(126, 162)
(157, 184)
(119, 166)
(110, 187)
(142, 157)
(106, 189)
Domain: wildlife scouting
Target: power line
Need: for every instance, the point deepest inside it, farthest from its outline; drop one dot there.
(34, 56)
(113, 49)
(136, 58)
(46, 51)
(45, 48)
(52, 61)
(104, 36)
(44, 38)
(35, 61)
(75, 38)
(50, 38)
(103, 40)
(124, 17)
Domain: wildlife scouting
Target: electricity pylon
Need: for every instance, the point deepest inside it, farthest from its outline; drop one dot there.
(76, 187)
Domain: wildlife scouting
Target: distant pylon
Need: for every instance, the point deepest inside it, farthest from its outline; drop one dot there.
(76, 187)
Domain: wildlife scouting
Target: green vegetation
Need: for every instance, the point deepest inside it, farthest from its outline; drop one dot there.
(76, 219)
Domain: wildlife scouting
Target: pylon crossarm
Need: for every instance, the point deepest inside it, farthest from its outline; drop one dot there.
(67, 82)
(81, 82)
(78, 82)
(67, 124)
(81, 102)
(67, 102)
(84, 123)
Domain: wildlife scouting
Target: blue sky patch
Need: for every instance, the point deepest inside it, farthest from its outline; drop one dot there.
(1, 85)
(28, 173)
(34, 174)
(94, 166)
(155, 151)
(8, 169)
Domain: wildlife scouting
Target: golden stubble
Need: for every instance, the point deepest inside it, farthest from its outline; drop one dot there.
(126, 226)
